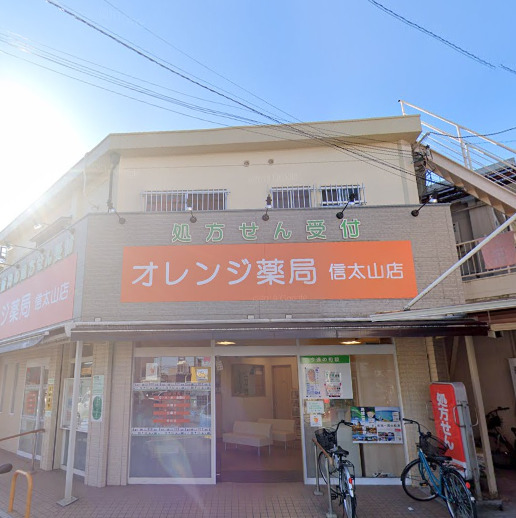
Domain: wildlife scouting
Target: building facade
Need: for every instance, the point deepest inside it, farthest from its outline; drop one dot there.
(185, 281)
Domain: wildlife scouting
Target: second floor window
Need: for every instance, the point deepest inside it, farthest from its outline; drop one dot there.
(178, 201)
(338, 195)
(299, 197)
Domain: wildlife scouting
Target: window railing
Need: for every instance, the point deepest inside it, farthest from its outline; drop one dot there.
(475, 266)
(305, 196)
(179, 200)
(338, 195)
(297, 197)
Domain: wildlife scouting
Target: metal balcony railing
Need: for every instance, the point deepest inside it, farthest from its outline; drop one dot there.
(475, 267)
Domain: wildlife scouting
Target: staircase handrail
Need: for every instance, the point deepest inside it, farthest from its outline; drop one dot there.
(457, 126)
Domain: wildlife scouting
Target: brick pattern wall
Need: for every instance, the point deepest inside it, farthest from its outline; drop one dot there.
(432, 242)
(119, 422)
(414, 377)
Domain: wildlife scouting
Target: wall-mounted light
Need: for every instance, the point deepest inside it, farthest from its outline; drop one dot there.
(352, 341)
(350, 201)
(415, 212)
(189, 208)
(121, 219)
(268, 205)
(225, 342)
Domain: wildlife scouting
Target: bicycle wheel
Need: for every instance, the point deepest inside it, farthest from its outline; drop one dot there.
(349, 503)
(417, 483)
(321, 466)
(459, 499)
(350, 506)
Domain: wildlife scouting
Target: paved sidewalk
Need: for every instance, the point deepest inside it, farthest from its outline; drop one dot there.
(224, 500)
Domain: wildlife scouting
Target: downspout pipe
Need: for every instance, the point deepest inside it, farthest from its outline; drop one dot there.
(115, 160)
(471, 253)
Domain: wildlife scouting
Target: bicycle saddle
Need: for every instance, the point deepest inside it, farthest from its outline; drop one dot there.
(341, 451)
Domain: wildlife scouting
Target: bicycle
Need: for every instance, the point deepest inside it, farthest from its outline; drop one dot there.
(432, 475)
(502, 451)
(338, 467)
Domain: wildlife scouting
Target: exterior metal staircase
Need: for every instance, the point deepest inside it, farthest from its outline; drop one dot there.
(467, 161)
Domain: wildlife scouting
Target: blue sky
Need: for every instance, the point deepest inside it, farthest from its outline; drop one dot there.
(303, 60)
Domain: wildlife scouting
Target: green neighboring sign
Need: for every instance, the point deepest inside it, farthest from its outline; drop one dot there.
(334, 358)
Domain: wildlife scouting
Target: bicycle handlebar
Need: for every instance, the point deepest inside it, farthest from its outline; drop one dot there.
(347, 423)
(498, 409)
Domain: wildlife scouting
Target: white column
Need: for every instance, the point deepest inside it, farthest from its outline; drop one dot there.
(479, 402)
(68, 498)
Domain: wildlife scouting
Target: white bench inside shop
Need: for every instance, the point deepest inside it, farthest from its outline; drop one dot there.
(283, 430)
(249, 433)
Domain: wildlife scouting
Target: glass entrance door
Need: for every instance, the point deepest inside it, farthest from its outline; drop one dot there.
(33, 410)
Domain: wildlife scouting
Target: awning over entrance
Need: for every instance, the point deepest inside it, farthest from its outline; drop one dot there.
(274, 329)
(16, 345)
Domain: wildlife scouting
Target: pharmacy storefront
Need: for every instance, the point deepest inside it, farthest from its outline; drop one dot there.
(235, 319)
(179, 332)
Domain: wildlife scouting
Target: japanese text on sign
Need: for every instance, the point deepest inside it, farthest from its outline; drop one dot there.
(352, 270)
(44, 299)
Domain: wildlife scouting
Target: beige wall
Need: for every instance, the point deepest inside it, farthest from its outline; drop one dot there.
(249, 185)
(490, 287)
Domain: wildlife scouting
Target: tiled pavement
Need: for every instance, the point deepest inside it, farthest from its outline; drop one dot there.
(224, 500)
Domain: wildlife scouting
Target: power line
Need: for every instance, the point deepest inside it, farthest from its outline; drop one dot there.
(283, 126)
(183, 74)
(196, 60)
(433, 35)
(455, 47)
(471, 136)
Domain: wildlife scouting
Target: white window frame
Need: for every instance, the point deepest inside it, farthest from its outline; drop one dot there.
(183, 199)
(292, 195)
(340, 194)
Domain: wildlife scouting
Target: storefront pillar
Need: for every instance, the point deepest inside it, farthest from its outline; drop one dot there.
(479, 402)
(117, 454)
(68, 498)
(98, 430)
(414, 378)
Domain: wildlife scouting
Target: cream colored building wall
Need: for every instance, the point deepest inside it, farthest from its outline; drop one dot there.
(414, 379)
(249, 185)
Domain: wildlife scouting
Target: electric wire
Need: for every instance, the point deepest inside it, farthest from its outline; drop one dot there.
(196, 81)
(455, 47)
(284, 127)
(196, 60)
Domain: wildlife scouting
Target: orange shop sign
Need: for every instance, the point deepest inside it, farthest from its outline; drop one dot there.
(272, 271)
(40, 301)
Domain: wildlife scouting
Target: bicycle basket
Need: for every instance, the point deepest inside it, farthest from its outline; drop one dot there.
(326, 438)
(432, 446)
